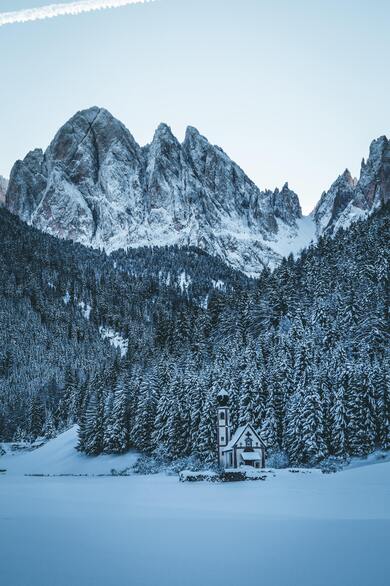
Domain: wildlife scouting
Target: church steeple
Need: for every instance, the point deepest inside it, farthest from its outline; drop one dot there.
(224, 433)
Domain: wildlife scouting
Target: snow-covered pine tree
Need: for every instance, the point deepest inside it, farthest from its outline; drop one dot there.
(141, 432)
(338, 421)
(49, 430)
(313, 443)
(293, 437)
(248, 397)
(91, 430)
(269, 428)
(162, 433)
(36, 417)
(116, 433)
(207, 438)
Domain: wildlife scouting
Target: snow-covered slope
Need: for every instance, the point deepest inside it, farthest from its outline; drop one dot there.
(96, 185)
(59, 456)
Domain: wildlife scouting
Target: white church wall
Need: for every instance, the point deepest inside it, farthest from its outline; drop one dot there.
(241, 451)
(223, 431)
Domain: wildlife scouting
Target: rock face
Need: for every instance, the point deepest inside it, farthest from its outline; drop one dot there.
(349, 199)
(3, 189)
(286, 206)
(96, 185)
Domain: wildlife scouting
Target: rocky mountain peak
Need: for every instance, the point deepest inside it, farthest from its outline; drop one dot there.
(192, 135)
(347, 177)
(286, 205)
(3, 189)
(377, 153)
(377, 148)
(164, 133)
(163, 143)
(333, 202)
(349, 199)
(373, 187)
(96, 185)
(196, 147)
(27, 183)
(92, 133)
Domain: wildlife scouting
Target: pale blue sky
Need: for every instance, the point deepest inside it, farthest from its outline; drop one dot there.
(291, 89)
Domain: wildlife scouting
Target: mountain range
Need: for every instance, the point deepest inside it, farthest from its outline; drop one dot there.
(95, 185)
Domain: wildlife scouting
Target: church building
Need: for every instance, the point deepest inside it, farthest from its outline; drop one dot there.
(243, 448)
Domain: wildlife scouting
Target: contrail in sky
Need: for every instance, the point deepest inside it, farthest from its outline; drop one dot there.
(70, 8)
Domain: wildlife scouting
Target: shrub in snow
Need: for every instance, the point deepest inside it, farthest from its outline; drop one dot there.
(125, 472)
(148, 465)
(333, 464)
(191, 476)
(233, 476)
(382, 456)
(277, 459)
(189, 463)
(158, 463)
(221, 475)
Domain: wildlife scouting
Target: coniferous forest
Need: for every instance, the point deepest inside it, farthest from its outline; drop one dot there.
(303, 351)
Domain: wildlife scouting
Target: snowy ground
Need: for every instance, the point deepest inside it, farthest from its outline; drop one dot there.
(115, 339)
(60, 457)
(294, 529)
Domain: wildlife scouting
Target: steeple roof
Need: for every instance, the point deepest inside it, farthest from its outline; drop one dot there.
(239, 433)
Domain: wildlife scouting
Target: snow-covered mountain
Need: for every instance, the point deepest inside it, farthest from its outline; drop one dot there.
(3, 189)
(349, 199)
(96, 185)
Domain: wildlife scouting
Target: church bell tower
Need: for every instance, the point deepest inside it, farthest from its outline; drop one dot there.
(223, 425)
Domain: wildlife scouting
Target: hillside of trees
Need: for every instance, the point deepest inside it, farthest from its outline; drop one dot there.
(303, 351)
(304, 355)
(54, 297)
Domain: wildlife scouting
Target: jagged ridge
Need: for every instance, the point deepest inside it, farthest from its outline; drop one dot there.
(349, 199)
(96, 185)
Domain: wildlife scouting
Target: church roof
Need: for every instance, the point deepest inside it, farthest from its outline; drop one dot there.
(238, 433)
(235, 437)
(250, 456)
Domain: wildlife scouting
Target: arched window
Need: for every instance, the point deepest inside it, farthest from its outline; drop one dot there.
(222, 415)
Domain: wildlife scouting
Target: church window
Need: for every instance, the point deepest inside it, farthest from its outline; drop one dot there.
(222, 415)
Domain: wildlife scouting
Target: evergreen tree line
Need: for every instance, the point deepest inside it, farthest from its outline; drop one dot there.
(54, 297)
(303, 351)
(304, 355)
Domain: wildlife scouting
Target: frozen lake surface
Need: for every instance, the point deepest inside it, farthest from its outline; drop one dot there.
(293, 529)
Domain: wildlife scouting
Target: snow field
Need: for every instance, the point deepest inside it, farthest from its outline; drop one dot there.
(294, 529)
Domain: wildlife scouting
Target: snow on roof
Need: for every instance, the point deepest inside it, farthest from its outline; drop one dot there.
(250, 456)
(235, 437)
(238, 433)
(223, 393)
